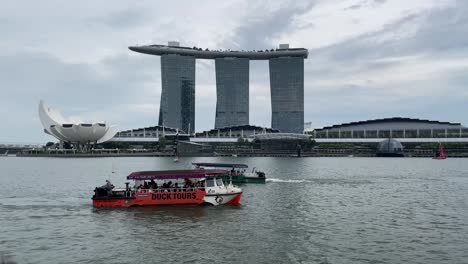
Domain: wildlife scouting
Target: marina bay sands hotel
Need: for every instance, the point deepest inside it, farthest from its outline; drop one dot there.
(177, 108)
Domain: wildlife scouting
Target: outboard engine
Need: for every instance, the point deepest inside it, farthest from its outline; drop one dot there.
(261, 174)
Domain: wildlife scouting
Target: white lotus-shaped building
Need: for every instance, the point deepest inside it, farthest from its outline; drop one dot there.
(75, 132)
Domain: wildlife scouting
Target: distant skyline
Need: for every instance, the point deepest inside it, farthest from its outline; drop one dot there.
(367, 58)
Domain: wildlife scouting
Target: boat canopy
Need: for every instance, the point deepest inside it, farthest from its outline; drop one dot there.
(221, 165)
(173, 174)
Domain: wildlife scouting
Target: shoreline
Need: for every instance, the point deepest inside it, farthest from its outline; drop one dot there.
(290, 155)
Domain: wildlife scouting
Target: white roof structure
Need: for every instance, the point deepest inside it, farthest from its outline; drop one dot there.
(65, 130)
(282, 136)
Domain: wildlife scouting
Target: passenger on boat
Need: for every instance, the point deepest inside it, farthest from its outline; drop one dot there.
(153, 184)
(108, 186)
(201, 185)
(145, 185)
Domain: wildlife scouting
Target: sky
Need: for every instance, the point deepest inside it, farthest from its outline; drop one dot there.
(367, 58)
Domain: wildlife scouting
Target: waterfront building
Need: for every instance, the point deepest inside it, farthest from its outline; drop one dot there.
(232, 85)
(395, 127)
(80, 134)
(232, 92)
(236, 132)
(287, 94)
(147, 132)
(283, 142)
(390, 148)
(177, 108)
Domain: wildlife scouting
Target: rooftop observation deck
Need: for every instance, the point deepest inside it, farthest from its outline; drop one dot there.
(200, 53)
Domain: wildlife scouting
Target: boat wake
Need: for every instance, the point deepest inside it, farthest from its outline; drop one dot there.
(320, 181)
(285, 181)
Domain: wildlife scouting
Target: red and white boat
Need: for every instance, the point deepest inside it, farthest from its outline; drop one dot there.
(440, 153)
(174, 187)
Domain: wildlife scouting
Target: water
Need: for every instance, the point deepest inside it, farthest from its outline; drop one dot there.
(311, 210)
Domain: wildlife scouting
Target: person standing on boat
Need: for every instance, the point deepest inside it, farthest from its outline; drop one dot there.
(108, 187)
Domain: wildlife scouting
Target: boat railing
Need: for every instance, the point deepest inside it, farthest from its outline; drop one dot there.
(173, 189)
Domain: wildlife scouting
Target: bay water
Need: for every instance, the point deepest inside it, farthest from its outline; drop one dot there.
(311, 210)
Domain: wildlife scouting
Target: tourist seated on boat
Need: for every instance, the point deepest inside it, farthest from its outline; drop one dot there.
(176, 187)
(145, 185)
(187, 182)
(152, 184)
(167, 186)
(199, 184)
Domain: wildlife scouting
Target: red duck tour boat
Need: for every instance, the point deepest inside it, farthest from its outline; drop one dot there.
(172, 187)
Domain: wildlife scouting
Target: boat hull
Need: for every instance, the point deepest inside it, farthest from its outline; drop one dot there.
(255, 180)
(220, 199)
(239, 179)
(145, 198)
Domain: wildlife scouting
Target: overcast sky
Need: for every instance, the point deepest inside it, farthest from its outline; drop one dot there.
(367, 58)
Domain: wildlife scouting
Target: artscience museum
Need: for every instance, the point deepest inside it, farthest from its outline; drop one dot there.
(79, 134)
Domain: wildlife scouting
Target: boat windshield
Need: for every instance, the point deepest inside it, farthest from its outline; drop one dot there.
(209, 183)
(219, 182)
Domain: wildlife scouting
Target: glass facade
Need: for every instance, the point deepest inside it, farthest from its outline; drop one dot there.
(287, 94)
(232, 91)
(177, 108)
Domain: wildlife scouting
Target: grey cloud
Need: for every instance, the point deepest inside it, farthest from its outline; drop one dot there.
(126, 18)
(364, 3)
(441, 31)
(113, 83)
(258, 27)
(78, 89)
(353, 7)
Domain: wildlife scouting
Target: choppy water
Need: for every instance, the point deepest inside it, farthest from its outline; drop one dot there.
(312, 210)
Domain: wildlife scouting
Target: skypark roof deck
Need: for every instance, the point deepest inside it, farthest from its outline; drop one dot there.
(213, 54)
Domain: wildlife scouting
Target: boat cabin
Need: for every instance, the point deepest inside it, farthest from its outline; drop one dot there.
(163, 188)
(236, 170)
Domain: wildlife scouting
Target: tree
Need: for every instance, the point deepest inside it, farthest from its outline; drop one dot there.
(162, 143)
(49, 144)
(150, 145)
(115, 145)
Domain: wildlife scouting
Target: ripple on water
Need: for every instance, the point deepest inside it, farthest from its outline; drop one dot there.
(311, 210)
